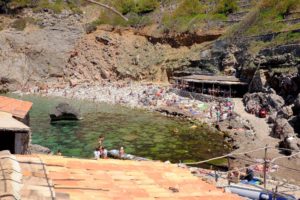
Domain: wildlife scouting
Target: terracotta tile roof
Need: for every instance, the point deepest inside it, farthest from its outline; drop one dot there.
(17, 108)
(117, 179)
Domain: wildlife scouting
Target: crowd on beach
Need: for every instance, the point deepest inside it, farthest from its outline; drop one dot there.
(146, 96)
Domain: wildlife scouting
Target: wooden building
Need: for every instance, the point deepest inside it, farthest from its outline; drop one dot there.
(15, 133)
(222, 86)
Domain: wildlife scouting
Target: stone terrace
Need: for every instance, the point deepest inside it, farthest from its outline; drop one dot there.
(110, 179)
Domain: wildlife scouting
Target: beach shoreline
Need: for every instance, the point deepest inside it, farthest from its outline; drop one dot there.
(240, 132)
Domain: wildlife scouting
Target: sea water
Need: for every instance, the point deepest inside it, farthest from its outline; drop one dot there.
(142, 133)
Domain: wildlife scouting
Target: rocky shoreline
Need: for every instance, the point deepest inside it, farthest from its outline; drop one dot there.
(237, 130)
(163, 98)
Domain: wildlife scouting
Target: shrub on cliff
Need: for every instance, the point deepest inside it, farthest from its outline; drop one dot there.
(279, 8)
(226, 7)
(10, 6)
(135, 6)
(186, 12)
(19, 24)
(145, 6)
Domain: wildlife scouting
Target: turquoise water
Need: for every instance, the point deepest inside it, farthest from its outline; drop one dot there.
(141, 133)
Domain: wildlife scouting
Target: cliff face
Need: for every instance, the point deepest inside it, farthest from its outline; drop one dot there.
(51, 48)
(40, 51)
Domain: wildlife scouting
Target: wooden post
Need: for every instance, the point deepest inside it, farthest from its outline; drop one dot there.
(202, 88)
(216, 176)
(265, 167)
(228, 165)
(230, 91)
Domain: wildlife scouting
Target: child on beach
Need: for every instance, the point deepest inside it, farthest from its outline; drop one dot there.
(96, 153)
(121, 152)
(103, 153)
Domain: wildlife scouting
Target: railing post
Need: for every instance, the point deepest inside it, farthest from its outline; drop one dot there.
(265, 167)
(228, 165)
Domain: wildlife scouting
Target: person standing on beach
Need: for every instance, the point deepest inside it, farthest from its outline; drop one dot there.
(96, 153)
(218, 113)
(121, 152)
(103, 152)
(101, 140)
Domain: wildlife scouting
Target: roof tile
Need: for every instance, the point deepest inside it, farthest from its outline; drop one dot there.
(17, 108)
(116, 179)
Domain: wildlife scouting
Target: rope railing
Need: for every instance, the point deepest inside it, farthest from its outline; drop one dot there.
(225, 156)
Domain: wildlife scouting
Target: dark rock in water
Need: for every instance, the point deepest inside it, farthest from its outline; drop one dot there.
(64, 111)
(38, 149)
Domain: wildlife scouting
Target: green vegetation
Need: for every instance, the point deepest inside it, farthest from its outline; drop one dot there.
(19, 24)
(135, 6)
(227, 7)
(186, 14)
(282, 38)
(193, 14)
(271, 16)
(57, 6)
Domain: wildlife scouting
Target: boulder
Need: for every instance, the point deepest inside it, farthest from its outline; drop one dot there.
(272, 118)
(275, 101)
(64, 111)
(285, 112)
(297, 104)
(38, 149)
(256, 101)
(290, 143)
(282, 129)
(259, 82)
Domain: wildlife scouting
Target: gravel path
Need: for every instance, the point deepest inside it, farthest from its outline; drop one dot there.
(259, 125)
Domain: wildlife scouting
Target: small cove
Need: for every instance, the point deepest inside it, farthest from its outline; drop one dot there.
(142, 133)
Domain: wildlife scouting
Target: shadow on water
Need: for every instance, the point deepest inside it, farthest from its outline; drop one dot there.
(142, 133)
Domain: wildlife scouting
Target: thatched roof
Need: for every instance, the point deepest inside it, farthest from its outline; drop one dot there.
(8, 123)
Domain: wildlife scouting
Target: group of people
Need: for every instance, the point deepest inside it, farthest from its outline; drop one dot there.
(101, 151)
(235, 175)
(222, 110)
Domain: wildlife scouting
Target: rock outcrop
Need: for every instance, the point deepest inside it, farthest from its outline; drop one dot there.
(38, 149)
(109, 54)
(282, 129)
(64, 111)
(40, 52)
(255, 101)
(259, 82)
